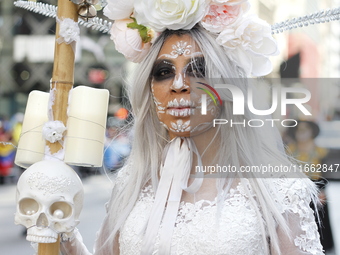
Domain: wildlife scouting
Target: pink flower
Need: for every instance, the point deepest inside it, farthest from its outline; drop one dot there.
(229, 2)
(221, 16)
(128, 41)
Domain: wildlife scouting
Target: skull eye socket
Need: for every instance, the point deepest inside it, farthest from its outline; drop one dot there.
(28, 206)
(61, 210)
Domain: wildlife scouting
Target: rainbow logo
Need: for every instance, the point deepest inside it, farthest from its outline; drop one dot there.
(209, 93)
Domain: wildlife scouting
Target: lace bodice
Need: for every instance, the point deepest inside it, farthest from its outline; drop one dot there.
(236, 232)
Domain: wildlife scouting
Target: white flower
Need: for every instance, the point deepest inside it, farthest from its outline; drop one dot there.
(249, 42)
(53, 131)
(128, 41)
(179, 126)
(68, 30)
(119, 9)
(169, 14)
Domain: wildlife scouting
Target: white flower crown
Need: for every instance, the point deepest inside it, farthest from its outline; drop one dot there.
(246, 39)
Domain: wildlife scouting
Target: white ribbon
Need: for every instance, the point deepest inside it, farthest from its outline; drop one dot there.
(69, 31)
(175, 174)
(52, 131)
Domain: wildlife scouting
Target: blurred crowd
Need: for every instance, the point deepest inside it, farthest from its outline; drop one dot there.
(117, 145)
(10, 130)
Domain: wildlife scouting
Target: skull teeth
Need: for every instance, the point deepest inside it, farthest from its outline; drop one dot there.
(180, 112)
(41, 235)
(41, 239)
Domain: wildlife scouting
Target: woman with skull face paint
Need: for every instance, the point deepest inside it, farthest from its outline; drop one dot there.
(163, 202)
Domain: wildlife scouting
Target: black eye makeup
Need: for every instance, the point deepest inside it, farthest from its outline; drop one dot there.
(163, 70)
(196, 68)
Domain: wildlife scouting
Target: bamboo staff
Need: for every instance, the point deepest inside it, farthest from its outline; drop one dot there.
(62, 83)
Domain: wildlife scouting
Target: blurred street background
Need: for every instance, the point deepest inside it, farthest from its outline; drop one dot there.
(309, 58)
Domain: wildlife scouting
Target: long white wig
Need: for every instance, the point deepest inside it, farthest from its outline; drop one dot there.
(240, 146)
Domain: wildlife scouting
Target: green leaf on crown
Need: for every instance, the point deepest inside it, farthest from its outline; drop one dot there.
(144, 32)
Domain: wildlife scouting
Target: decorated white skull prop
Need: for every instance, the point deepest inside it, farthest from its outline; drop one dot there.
(49, 200)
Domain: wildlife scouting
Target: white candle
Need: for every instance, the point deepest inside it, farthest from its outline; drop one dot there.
(31, 147)
(86, 126)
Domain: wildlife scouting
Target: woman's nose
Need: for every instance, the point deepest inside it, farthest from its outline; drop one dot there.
(179, 84)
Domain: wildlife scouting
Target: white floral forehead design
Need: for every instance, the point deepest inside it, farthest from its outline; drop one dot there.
(247, 39)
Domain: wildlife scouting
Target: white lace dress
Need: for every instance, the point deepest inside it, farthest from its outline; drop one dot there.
(237, 231)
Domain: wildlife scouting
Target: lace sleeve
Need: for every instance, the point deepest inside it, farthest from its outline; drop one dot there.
(295, 206)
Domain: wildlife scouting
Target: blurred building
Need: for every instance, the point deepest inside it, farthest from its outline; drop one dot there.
(27, 52)
(310, 55)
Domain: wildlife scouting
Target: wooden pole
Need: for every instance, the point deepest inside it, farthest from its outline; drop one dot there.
(62, 83)
(49, 248)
